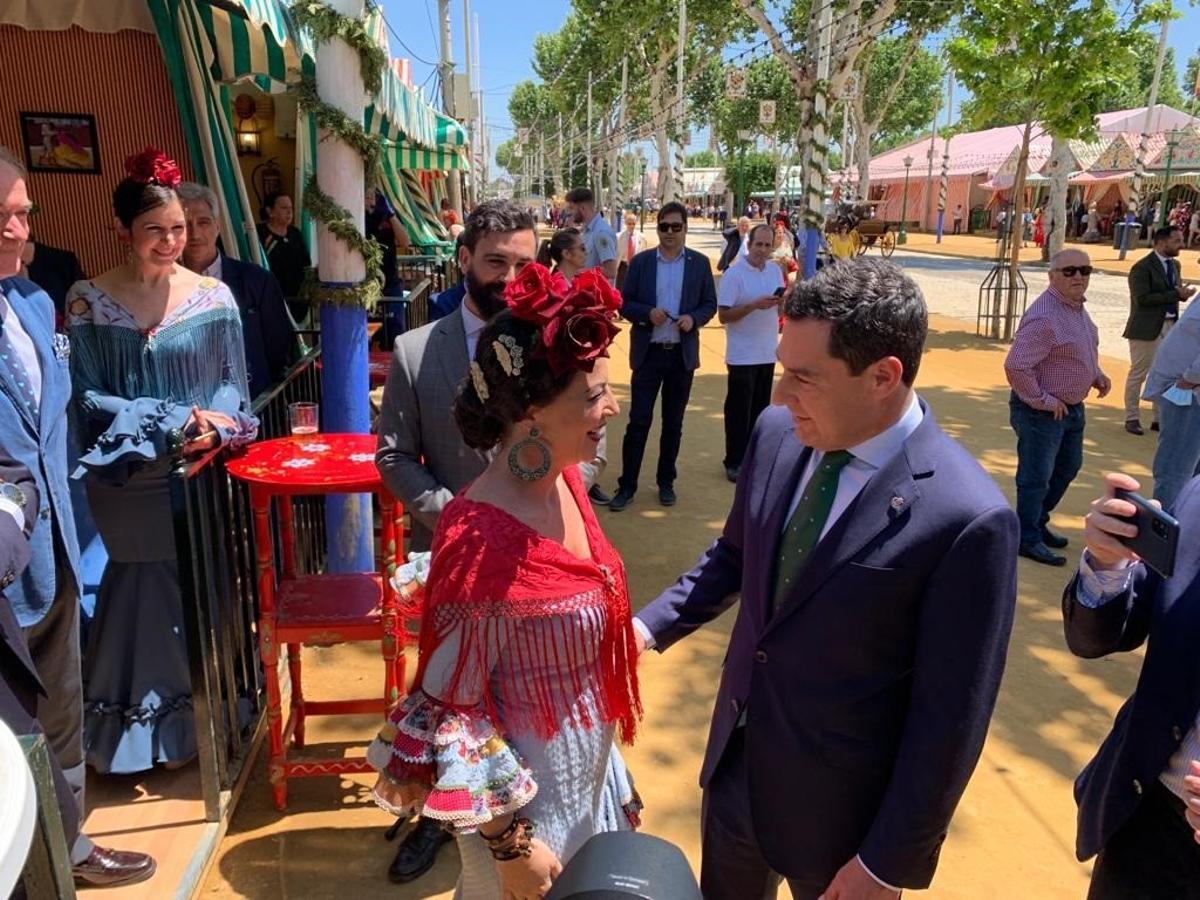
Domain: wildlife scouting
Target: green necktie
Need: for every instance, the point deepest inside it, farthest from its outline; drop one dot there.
(807, 522)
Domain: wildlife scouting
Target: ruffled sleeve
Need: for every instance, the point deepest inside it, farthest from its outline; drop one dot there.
(449, 764)
(445, 759)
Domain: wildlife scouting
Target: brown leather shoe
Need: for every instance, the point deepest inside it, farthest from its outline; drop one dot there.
(109, 868)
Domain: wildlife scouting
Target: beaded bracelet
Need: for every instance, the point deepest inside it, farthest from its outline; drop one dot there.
(514, 842)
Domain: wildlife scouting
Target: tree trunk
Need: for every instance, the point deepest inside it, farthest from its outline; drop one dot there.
(1016, 233)
(1056, 213)
(663, 146)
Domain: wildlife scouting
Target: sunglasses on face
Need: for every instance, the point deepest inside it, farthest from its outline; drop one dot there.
(1072, 271)
(664, 227)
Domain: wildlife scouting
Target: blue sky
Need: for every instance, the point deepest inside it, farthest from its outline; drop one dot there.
(507, 29)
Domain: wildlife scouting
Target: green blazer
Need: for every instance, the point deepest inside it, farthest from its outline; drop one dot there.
(1149, 297)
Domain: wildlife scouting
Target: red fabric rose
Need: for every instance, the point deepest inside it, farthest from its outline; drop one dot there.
(577, 340)
(595, 290)
(152, 166)
(533, 296)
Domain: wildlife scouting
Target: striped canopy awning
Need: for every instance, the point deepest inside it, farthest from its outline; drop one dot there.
(420, 159)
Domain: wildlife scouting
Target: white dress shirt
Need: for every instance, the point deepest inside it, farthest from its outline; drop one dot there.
(473, 325)
(22, 344)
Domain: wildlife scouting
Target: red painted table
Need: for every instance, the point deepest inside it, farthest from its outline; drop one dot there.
(324, 608)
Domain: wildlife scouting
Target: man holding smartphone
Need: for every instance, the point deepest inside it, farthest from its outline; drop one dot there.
(748, 307)
(1139, 797)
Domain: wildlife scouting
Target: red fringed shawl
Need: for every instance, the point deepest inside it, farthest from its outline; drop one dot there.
(513, 592)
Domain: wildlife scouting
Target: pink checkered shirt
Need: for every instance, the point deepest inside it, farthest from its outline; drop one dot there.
(1054, 354)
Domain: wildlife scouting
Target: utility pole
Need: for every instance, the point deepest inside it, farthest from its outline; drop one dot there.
(1139, 166)
(469, 186)
(676, 186)
(344, 328)
(446, 70)
(945, 180)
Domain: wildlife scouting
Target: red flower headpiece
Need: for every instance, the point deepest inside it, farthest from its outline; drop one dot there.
(152, 166)
(576, 322)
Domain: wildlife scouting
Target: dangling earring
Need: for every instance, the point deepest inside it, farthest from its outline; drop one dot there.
(514, 457)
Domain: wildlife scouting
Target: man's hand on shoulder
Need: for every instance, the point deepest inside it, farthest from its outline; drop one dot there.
(854, 882)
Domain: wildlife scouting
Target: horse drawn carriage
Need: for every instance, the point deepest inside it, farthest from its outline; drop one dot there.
(863, 229)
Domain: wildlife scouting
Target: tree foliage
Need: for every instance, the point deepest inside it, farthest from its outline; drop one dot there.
(918, 88)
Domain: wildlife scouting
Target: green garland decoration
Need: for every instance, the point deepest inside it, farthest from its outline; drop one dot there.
(338, 220)
(326, 24)
(340, 125)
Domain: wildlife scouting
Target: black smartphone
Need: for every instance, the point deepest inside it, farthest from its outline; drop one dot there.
(1157, 539)
(779, 292)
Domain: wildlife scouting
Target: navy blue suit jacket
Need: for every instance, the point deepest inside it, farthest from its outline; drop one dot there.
(1164, 614)
(266, 331)
(40, 444)
(699, 300)
(868, 692)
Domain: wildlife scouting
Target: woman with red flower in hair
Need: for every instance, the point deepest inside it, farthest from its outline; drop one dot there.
(154, 348)
(527, 655)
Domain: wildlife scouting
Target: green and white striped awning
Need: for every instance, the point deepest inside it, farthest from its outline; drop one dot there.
(419, 159)
(265, 47)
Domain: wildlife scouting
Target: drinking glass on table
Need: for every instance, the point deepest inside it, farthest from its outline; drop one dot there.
(303, 418)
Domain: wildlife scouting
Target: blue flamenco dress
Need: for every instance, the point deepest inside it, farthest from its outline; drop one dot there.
(132, 387)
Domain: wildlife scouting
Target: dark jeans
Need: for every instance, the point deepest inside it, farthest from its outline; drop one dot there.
(747, 395)
(958, 226)
(1153, 856)
(663, 369)
(731, 864)
(1049, 455)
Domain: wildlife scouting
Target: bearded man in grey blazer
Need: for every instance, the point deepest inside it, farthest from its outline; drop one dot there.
(421, 455)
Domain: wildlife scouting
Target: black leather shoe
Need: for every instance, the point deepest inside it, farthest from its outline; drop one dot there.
(1133, 426)
(620, 500)
(598, 496)
(1053, 539)
(731, 472)
(1154, 426)
(110, 868)
(418, 851)
(666, 495)
(1039, 552)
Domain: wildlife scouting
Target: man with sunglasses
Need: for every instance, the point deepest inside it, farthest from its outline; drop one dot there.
(1053, 364)
(668, 295)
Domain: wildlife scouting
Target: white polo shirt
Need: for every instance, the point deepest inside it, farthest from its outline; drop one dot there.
(750, 341)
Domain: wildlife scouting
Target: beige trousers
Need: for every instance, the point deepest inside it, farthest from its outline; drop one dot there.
(1141, 358)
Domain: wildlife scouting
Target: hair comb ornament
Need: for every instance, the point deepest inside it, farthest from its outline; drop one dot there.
(479, 382)
(509, 354)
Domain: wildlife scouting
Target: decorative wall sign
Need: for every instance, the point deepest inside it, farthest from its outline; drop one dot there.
(766, 112)
(735, 83)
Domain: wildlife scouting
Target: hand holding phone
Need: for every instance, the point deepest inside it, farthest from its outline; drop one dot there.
(1157, 539)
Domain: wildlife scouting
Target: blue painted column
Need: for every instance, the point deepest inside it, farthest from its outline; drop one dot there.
(941, 225)
(345, 408)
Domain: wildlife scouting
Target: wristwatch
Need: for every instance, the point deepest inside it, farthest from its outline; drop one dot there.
(12, 493)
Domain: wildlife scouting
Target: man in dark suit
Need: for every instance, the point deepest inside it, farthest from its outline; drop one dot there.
(1132, 794)
(876, 565)
(1156, 289)
(735, 244)
(267, 332)
(668, 295)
